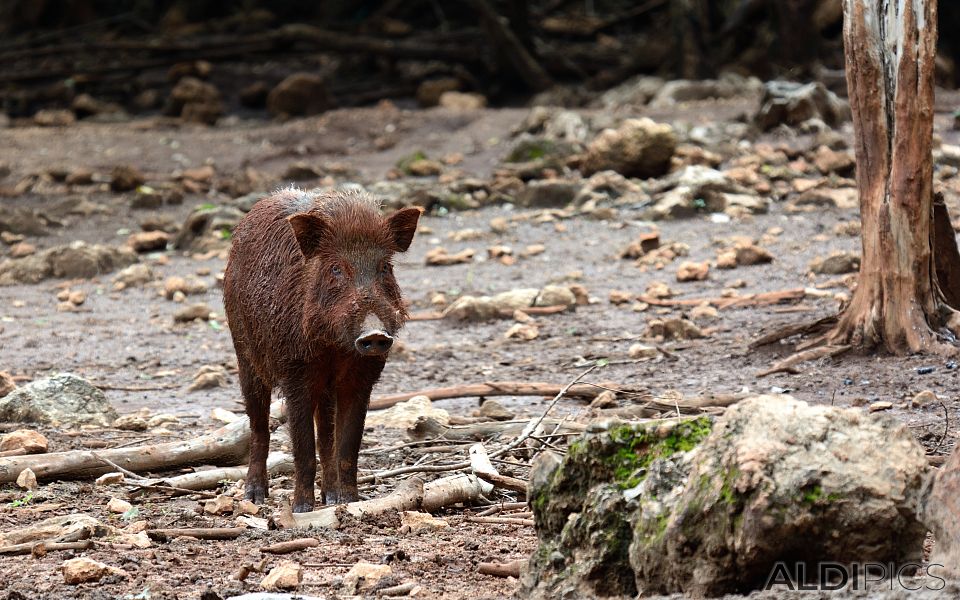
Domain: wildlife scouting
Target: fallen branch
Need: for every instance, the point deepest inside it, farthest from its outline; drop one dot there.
(500, 521)
(291, 546)
(510, 569)
(227, 445)
(792, 330)
(750, 300)
(398, 590)
(503, 481)
(41, 548)
(490, 389)
(278, 463)
(430, 428)
(201, 533)
(501, 507)
(533, 311)
(789, 364)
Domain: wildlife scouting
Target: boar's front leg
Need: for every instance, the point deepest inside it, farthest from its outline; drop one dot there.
(354, 384)
(256, 397)
(300, 415)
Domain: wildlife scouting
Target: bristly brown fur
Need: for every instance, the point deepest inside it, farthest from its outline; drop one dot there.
(304, 272)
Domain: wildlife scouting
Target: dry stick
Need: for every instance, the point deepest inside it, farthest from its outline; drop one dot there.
(488, 389)
(117, 467)
(291, 546)
(946, 427)
(503, 481)
(398, 590)
(789, 364)
(140, 488)
(500, 521)
(34, 547)
(202, 533)
(526, 433)
(501, 507)
(510, 569)
(792, 330)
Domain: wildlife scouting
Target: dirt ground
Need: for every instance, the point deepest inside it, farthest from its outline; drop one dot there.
(128, 339)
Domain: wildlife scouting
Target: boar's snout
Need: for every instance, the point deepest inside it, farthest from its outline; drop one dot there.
(374, 340)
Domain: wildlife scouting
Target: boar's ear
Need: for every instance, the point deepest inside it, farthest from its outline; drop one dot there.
(403, 224)
(309, 230)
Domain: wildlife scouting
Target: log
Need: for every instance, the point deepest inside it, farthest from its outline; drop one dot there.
(227, 445)
(510, 569)
(291, 546)
(429, 428)
(278, 463)
(492, 388)
(503, 481)
(412, 494)
(41, 548)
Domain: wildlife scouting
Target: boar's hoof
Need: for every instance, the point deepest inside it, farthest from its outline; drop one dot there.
(302, 507)
(374, 343)
(255, 493)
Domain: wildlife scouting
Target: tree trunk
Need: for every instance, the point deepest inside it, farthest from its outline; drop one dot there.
(890, 47)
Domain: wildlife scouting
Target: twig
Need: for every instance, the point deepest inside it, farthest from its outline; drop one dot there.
(141, 487)
(501, 507)
(504, 481)
(291, 546)
(202, 533)
(114, 465)
(500, 521)
(398, 590)
(510, 569)
(946, 427)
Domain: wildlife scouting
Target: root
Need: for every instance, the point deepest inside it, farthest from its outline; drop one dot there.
(788, 364)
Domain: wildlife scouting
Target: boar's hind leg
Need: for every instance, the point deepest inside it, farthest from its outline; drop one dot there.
(353, 396)
(256, 396)
(300, 413)
(324, 417)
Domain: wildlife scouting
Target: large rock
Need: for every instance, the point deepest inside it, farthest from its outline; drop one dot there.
(75, 260)
(62, 399)
(686, 90)
(791, 103)
(698, 189)
(555, 124)
(638, 148)
(195, 100)
(548, 194)
(653, 509)
(299, 94)
(942, 516)
(208, 228)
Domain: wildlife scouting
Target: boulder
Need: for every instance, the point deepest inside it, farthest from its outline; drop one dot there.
(704, 508)
(63, 399)
(637, 148)
(299, 94)
(791, 103)
(76, 260)
(942, 516)
(698, 189)
(195, 100)
(207, 228)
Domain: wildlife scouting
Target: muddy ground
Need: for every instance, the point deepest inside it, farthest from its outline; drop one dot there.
(128, 339)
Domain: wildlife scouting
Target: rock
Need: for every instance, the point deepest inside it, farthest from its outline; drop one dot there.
(79, 176)
(686, 508)
(745, 204)
(299, 94)
(124, 178)
(619, 297)
(363, 576)
(403, 415)
(62, 399)
(424, 167)
(194, 312)
(462, 101)
(638, 148)
(790, 103)
(137, 274)
(439, 257)
(162, 419)
(255, 95)
(223, 415)
(515, 299)
(551, 123)
(693, 271)
(85, 105)
(492, 409)
(116, 505)
(941, 513)
(645, 242)
(412, 521)
(187, 286)
(472, 309)
(77, 260)
(84, 570)
(27, 441)
(246, 507)
(751, 254)
(638, 351)
(285, 576)
(836, 264)
(109, 479)
(22, 249)
(148, 241)
(921, 400)
(27, 480)
(696, 189)
(73, 526)
(430, 90)
(634, 92)
(221, 505)
(51, 117)
(522, 331)
(21, 220)
(844, 198)
(130, 423)
(194, 100)
(209, 376)
(547, 194)
(704, 313)
(208, 228)
(673, 329)
(830, 161)
(685, 90)
(879, 406)
(556, 295)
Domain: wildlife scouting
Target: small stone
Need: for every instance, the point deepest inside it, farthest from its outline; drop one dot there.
(83, 570)
(605, 399)
(704, 313)
(534, 250)
(193, 312)
(832, 161)
(521, 331)
(751, 254)
(462, 101)
(136, 274)
(439, 300)
(116, 505)
(619, 297)
(209, 376)
(221, 505)
(27, 441)
(79, 176)
(673, 329)
(424, 167)
(727, 259)
(202, 174)
(22, 249)
(924, 398)
(440, 257)
(130, 423)
(246, 507)
(109, 479)
(77, 297)
(836, 264)
(137, 540)
(882, 405)
(412, 521)
(430, 90)
(638, 351)
(223, 415)
(499, 225)
(124, 178)
(363, 576)
(162, 419)
(148, 241)
(659, 290)
(693, 271)
(27, 480)
(299, 94)
(492, 409)
(54, 118)
(7, 384)
(285, 576)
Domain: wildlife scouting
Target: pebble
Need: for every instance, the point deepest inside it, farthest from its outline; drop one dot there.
(116, 505)
(83, 570)
(27, 480)
(193, 312)
(26, 440)
(285, 576)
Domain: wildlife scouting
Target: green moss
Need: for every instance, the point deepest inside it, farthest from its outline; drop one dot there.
(639, 447)
(404, 163)
(811, 495)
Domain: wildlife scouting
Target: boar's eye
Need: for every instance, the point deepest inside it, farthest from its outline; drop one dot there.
(336, 271)
(385, 268)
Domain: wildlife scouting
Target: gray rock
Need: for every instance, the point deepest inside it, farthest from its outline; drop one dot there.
(791, 103)
(75, 260)
(686, 90)
(548, 194)
(637, 148)
(63, 399)
(703, 508)
(555, 124)
(696, 189)
(22, 220)
(208, 228)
